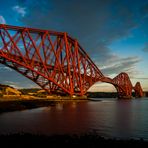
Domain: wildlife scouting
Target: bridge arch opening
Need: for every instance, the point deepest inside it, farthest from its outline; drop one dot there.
(102, 90)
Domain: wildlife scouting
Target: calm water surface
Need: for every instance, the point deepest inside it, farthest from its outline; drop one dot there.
(108, 118)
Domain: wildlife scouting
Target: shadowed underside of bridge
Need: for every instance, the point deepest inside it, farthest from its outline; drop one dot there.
(55, 61)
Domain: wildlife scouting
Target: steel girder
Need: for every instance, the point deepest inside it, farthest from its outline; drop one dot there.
(54, 61)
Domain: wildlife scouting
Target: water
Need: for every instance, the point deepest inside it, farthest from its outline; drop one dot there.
(109, 118)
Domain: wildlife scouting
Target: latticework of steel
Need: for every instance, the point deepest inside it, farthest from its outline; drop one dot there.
(55, 61)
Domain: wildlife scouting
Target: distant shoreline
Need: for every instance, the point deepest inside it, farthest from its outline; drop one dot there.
(17, 103)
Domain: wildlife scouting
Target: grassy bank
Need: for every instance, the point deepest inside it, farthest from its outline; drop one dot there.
(85, 140)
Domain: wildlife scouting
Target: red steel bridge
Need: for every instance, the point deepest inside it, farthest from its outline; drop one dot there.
(56, 62)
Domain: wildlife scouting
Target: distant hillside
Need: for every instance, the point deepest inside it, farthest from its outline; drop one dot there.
(29, 90)
(108, 94)
(8, 90)
(102, 94)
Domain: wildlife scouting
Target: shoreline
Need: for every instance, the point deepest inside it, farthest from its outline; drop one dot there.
(19, 104)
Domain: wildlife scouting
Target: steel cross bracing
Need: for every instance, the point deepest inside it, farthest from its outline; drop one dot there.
(55, 61)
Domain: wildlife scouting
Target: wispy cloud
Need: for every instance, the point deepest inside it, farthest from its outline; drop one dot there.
(2, 20)
(11, 83)
(142, 78)
(117, 65)
(20, 10)
(4, 68)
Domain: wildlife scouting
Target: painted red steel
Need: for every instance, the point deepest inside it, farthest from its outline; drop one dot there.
(55, 61)
(138, 90)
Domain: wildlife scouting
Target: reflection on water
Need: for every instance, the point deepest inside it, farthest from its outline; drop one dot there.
(59, 106)
(109, 118)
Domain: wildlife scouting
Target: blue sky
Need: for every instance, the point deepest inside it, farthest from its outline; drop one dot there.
(113, 32)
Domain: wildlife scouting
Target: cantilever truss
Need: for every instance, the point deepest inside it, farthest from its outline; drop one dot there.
(54, 61)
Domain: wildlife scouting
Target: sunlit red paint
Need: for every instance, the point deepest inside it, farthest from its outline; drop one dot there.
(55, 61)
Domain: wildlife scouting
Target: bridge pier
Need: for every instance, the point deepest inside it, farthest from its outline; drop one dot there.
(124, 93)
(125, 97)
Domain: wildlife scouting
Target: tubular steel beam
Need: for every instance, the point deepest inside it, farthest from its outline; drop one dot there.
(55, 61)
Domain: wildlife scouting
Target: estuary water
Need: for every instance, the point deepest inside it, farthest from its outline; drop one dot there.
(110, 118)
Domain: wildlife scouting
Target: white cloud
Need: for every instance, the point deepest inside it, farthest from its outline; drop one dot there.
(20, 10)
(11, 83)
(2, 20)
(5, 68)
(120, 64)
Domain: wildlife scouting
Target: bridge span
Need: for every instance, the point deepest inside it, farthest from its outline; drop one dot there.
(56, 62)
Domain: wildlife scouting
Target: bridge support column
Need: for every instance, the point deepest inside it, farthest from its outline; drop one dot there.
(68, 64)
